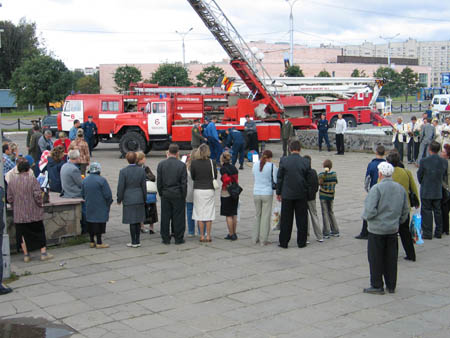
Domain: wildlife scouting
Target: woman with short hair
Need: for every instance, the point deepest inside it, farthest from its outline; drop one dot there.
(203, 172)
(228, 204)
(25, 197)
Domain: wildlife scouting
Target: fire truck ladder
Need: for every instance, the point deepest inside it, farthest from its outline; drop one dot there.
(243, 60)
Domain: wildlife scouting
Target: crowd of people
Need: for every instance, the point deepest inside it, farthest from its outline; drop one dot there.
(187, 186)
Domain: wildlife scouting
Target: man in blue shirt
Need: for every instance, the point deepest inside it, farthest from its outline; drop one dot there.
(73, 130)
(7, 163)
(235, 140)
(90, 132)
(370, 180)
(322, 126)
(213, 139)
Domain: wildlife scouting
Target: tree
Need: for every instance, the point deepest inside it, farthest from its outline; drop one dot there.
(124, 75)
(169, 74)
(209, 76)
(88, 85)
(76, 75)
(294, 71)
(41, 80)
(18, 43)
(392, 86)
(409, 82)
(324, 73)
(357, 73)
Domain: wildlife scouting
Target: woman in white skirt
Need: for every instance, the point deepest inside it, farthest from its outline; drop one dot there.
(203, 172)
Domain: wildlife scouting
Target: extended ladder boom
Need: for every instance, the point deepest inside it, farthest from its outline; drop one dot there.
(243, 60)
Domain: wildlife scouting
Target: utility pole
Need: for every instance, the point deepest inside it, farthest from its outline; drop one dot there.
(183, 36)
(388, 39)
(291, 4)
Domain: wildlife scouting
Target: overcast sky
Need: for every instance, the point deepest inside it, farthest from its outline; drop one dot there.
(86, 33)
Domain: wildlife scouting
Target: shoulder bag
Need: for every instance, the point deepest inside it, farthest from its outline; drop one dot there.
(151, 187)
(413, 199)
(274, 185)
(216, 184)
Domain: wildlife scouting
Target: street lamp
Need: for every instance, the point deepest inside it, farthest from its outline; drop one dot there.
(388, 39)
(183, 35)
(291, 4)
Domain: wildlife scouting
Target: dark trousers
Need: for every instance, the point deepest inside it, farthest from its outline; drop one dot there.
(238, 149)
(2, 227)
(99, 238)
(215, 148)
(288, 207)
(382, 251)
(340, 143)
(364, 231)
(413, 150)
(286, 146)
(407, 242)
(324, 136)
(399, 146)
(253, 141)
(173, 210)
(90, 143)
(430, 208)
(135, 232)
(445, 209)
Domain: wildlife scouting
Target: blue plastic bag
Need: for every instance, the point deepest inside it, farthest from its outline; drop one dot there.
(151, 198)
(250, 155)
(415, 227)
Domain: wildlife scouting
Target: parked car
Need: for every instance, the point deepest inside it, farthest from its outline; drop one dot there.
(50, 122)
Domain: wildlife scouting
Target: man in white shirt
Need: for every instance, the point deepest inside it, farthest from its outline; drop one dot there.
(341, 127)
(398, 136)
(412, 139)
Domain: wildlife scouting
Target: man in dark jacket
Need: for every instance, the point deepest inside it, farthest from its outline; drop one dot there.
(322, 126)
(236, 141)
(172, 187)
(287, 131)
(432, 172)
(370, 180)
(292, 190)
(90, 133)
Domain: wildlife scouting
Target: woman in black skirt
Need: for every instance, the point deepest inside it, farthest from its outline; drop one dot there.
(228, 204)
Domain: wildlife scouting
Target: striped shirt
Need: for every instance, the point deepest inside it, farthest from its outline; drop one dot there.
(327, 183)
(25, 196)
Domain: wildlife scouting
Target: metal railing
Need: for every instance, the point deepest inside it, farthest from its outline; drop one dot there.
(21, 124)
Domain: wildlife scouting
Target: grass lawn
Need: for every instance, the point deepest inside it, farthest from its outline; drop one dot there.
(26, 114)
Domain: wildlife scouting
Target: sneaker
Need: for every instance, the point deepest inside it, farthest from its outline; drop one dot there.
(319, 240)
(229, 237)
(335, 234)
(102, 246)
(308, 242)
(26, 258)
(46, 256)
(130, 245)
(191, 235)
(326, 236)
(92, 245)
(144, 231)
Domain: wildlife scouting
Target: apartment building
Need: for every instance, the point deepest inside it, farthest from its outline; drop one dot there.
(435, 54)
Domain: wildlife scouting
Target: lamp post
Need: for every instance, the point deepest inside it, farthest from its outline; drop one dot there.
(291, 4)
(388, 39)
(183, 36)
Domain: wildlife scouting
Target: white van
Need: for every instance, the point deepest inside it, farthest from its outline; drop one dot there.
(439, 103)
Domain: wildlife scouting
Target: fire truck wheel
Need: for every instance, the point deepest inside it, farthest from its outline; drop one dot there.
(95, 142)
(351, 121)
(148, 147)
(132, 141)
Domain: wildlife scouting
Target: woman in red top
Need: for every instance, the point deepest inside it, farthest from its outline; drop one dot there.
(228, 204)
(62, 141)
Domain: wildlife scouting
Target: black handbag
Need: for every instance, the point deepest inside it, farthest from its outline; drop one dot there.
(274, 185)
(445, 195)
(234, 189)
(413, 199)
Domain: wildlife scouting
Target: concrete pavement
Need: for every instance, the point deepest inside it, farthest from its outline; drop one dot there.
(234, 289)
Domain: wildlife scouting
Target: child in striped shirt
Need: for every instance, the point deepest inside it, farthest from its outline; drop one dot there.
(327, 183)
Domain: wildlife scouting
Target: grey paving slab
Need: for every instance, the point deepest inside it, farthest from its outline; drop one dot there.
(238, 289)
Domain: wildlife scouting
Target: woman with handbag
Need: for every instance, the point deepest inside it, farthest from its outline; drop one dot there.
(229, 203)
(265, 175)
(204, 175)
(151, 212)
(405, 179)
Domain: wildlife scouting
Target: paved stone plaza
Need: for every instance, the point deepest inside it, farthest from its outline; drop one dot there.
(234, 289)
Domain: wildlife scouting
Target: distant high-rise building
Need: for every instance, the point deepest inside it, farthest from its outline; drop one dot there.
(435, 54)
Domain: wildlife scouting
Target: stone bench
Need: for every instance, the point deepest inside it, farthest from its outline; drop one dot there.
(61, 219)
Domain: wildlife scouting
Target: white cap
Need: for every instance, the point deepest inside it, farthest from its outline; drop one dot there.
(386, 169)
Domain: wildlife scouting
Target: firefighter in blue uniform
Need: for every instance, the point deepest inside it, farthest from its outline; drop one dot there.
(236, 141)
(90, 132)
(322, 125)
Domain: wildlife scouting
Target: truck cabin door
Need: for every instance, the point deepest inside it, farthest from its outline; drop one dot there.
(157, 118)
(73, 110)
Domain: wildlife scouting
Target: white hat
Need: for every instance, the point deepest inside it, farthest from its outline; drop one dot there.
(386, 169)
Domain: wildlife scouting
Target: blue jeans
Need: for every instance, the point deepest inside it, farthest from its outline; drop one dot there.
(238, 149)
(190, 221)
(323, 136)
